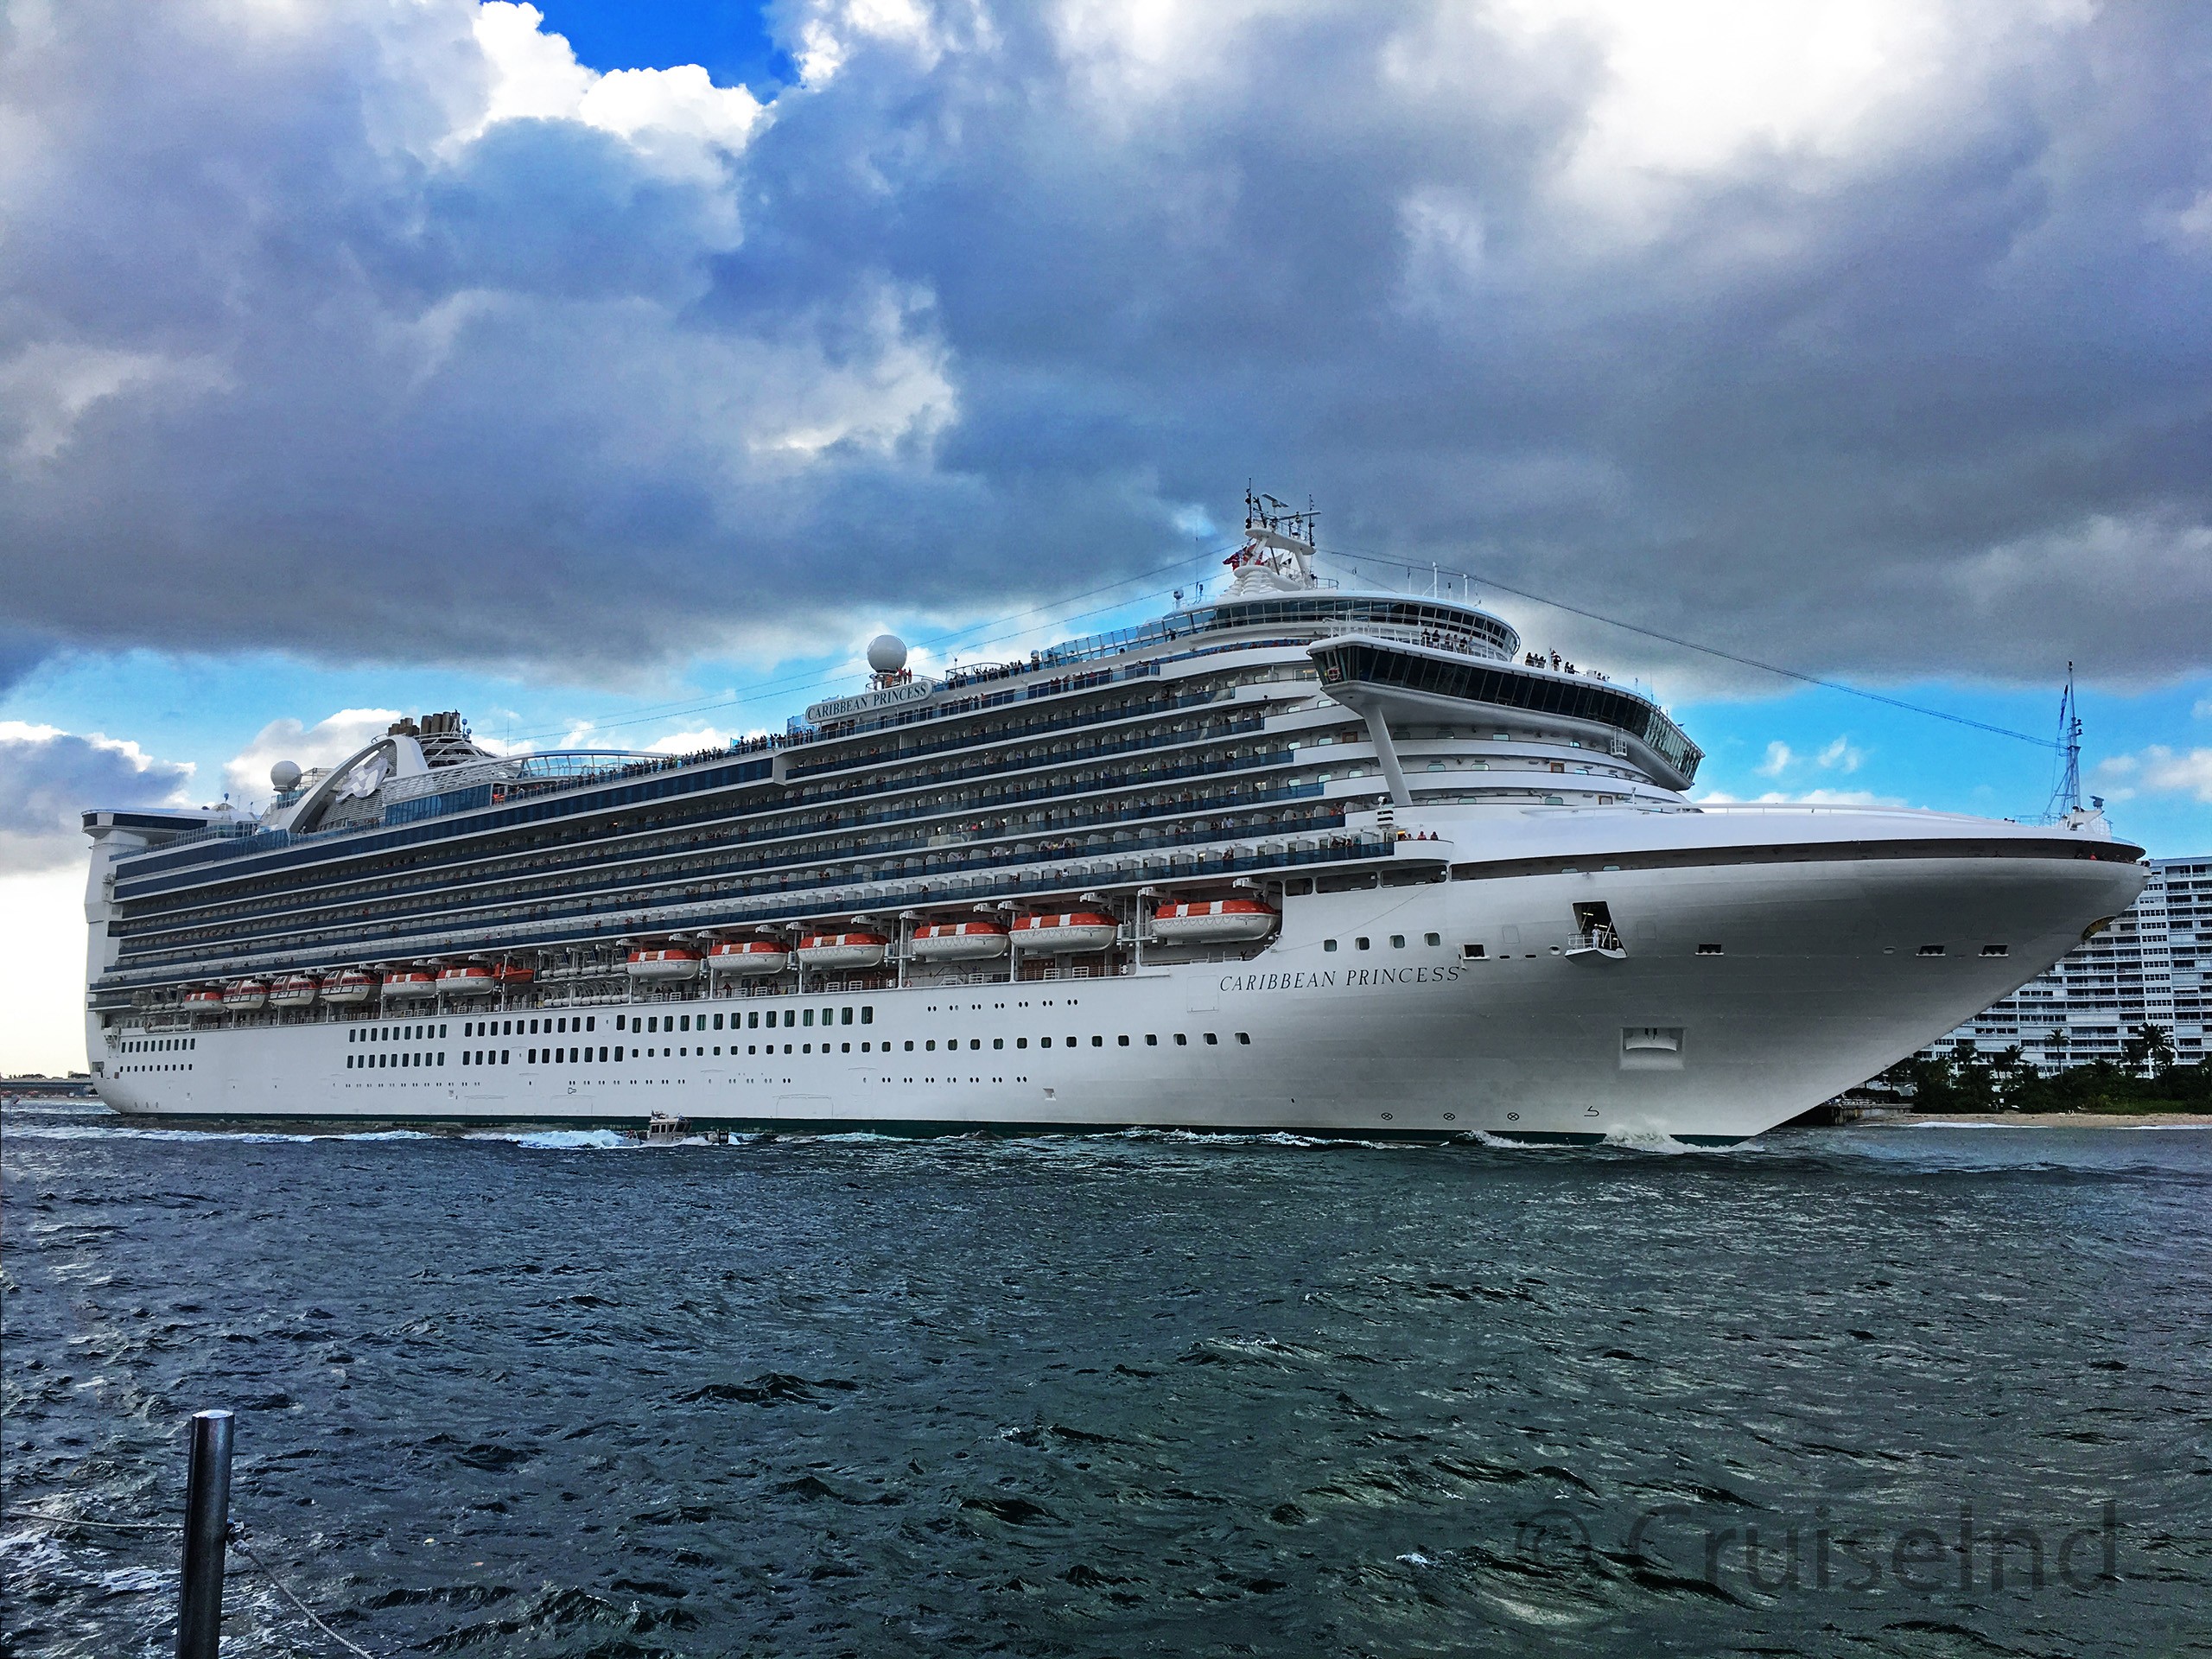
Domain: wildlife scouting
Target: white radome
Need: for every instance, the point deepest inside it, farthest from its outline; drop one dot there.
(285, 774)
(886, 653)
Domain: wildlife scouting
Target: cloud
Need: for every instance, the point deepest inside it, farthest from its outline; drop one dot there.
(1839, 756)
(1778, 757)
(326, 743)
(49, 778)
(1871, 334)
(1802, 797)
(2157, 771)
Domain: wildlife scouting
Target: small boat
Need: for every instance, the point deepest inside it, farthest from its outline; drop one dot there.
(203, 1004)
(350, 988)
(467, 979)
(1215, 921)
(299, 991)
(410, 985)
(666, 962)
(959, 941)
(244, 995)
(673, 1130)
(513, 975)
(749, 958)
(1066, 931)
(831, 950)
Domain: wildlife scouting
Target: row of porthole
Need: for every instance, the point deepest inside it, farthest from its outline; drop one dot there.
(1397, 941)
(161, 1045)
(572, 1056)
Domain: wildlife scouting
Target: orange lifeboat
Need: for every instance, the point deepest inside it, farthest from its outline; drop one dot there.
(1215, 921)
(350, 988)
(513, 973)
(467, 979)
(832, 950)
(750, 958)
(299, 991)
(244, 995)
(203, 1004)
(1066, 931)
(410, 985)
(665, 962)
(959, 941)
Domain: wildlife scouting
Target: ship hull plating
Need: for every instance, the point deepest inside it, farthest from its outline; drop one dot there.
(1743, 993)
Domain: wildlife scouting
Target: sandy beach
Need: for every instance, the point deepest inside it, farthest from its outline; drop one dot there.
(2037, 1120)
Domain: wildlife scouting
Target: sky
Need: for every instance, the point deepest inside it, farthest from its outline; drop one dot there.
(611, 372)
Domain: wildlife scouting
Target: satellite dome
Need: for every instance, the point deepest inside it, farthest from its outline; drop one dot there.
(886, 653)
(284, 775)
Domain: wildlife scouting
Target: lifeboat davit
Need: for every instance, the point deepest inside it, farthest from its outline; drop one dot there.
(665, 962)
(467, 979)
(203, 1004)
(959, 942)
(1215, 921)
(750, 958)
(1066, 931)
(410, 985)
(299, 991)
(854, 950)
(244, 995)
(349, 988)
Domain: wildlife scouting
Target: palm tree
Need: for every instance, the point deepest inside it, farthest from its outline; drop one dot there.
(2153, 1044)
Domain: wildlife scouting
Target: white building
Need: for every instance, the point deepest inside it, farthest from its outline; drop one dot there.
(2148, 967)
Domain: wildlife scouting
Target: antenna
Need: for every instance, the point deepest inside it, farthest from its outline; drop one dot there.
(2068, 796)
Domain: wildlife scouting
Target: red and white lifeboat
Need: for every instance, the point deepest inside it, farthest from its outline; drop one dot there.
(959, 941)
(204, 1004)
(1215, 921)
(1066, 931)
(824, 951)
(750, 958)
(244, 995)
(350, 988)
(660, 962)
(410, 985)
(297, 991)
(467, 979)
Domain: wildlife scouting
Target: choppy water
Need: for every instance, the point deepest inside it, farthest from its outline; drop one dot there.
(547, 1395)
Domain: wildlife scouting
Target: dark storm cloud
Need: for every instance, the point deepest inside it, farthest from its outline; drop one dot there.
(289, 351)
(47, 779)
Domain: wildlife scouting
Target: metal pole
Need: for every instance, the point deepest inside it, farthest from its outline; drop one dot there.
(206, 1524)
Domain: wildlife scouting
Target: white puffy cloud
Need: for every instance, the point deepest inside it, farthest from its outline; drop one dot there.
(326, 743)
(49, 778)
(1872, 332)
(2157, 770)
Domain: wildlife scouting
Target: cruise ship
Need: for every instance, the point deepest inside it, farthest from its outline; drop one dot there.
(1296, 858)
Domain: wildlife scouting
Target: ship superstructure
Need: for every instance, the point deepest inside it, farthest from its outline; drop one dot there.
(1294, 858)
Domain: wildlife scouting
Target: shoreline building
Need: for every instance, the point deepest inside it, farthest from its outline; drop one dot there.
(2147, 969)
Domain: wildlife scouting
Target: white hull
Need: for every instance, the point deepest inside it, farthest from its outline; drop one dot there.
(1820, 986)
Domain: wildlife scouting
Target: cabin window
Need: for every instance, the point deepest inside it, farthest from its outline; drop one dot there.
(791, 1018)
(1212, 1041)
(996, 1042)
(753, 1019)
(977, 1042)
(1931, 950)
(1245, 1038)
(910, 1044)
(619, 1021)
(1995, 950)
(718, 1022)
(442, 1032)
(532, 1056)
(1181, 1041)
(1123, 1040)
(1432, 940)
(1708, 950)
(1328, 944)
(1470, 953)
(1151, 1039)
(930, 1045)
(868, 1014)
(845, 1017)
(504, 1056)
(1397, 941)
(1362, 944)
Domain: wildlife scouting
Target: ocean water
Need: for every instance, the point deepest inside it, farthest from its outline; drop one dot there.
(555, 1395)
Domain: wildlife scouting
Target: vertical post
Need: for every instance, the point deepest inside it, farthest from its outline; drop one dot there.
(206, 1524)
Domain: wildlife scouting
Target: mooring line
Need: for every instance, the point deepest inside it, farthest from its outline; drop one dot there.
(237, 1535)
